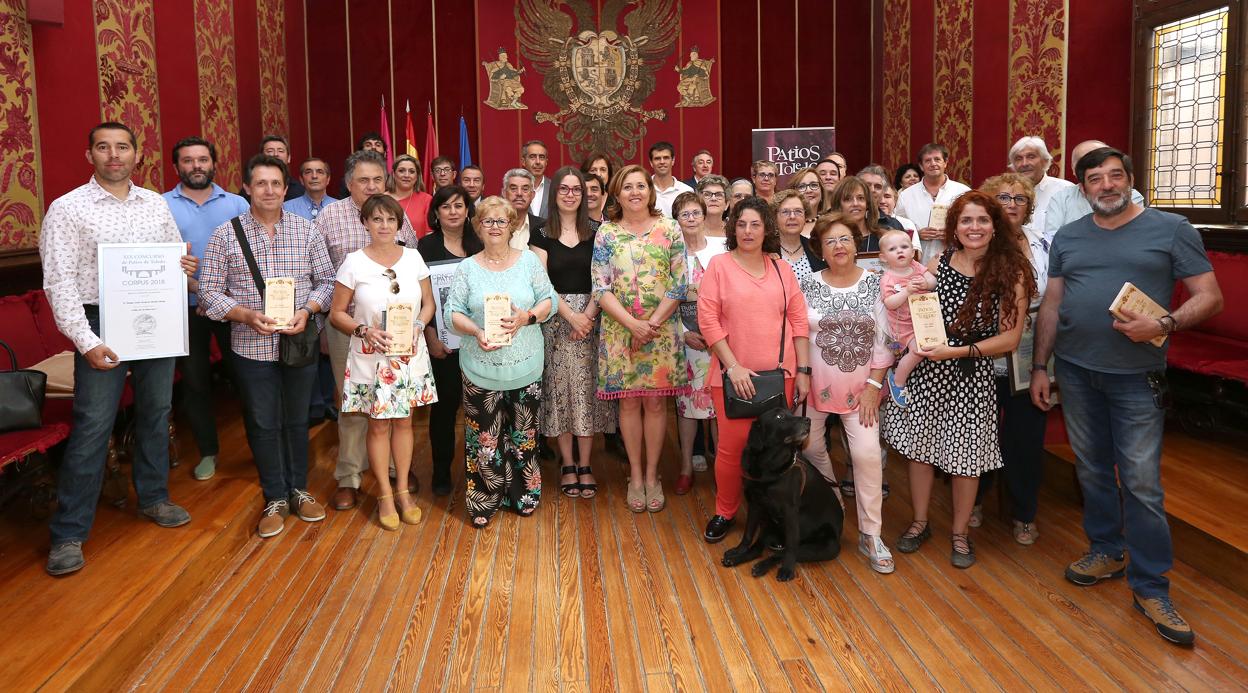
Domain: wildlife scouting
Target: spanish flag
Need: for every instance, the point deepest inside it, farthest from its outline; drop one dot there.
(410, 134)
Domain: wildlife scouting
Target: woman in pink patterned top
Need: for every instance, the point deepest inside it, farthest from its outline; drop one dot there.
(848, 357)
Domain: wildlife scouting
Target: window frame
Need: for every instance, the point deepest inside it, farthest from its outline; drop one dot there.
(1233, 174)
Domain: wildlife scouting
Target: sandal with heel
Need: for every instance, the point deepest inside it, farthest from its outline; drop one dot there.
(587, 490)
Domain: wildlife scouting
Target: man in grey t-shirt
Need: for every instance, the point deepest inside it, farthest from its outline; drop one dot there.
(1113, 379)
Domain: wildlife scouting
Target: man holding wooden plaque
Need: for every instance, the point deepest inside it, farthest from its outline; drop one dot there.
(1112, 370)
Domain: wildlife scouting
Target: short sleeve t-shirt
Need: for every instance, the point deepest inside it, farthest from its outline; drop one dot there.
(1151, 251)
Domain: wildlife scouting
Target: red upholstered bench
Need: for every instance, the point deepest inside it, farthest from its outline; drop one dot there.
(1218, 346)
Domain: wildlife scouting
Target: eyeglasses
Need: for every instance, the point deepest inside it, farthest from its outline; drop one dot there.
(443, 169)
(738, 196)
(792, 212)
(1005, 199)
(839, 240)
(808, 187)
(493, 223)
(765, 176)
(690, 214)
(713, 195)
(394, 284)
(566, 190)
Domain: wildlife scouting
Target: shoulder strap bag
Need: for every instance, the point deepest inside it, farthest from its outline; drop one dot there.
(768, 385)
(293, 350)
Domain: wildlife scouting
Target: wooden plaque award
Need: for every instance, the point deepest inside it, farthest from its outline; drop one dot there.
(497, 307)
(279, 300)
(399, 320)
(1136, 301)
(929, 324)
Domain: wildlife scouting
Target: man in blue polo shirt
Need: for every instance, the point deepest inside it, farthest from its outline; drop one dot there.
(199, 206)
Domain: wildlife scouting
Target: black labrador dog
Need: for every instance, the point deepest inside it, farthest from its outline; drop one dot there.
(789, 501)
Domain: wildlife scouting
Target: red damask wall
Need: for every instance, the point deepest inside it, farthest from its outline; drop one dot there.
(889, 74)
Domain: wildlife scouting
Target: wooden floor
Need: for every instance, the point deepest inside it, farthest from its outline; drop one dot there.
(584, 595)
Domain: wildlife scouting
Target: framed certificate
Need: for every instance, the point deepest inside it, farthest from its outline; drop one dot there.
(143, 300)
(441, 274)
(1018, 362)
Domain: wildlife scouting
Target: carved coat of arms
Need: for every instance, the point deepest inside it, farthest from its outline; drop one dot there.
(597, 72)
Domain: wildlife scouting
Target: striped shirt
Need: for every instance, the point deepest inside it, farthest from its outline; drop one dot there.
(344, 233)
(296, 250)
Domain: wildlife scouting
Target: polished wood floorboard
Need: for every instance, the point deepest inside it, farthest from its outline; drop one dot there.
(586, 596)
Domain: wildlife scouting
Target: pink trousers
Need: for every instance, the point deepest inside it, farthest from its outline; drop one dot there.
(864, 451)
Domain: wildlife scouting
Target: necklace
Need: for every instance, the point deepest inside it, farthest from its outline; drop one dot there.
(794, 251)
(496, 261)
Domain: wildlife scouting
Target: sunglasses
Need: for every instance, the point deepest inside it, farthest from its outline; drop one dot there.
(394, 284)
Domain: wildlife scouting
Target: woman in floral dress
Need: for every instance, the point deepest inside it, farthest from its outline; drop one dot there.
(639, 280)
(386, 388)
(694, 408)
(848, 356)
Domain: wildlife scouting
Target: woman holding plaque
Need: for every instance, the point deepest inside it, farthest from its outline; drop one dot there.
(752, 315)
(388, 373)
(693, 408)
(570, 409)
(407, 188)
(496, 301)
(450, 239)
(1022, 423)
(639, 280)
(790, 210)
(984, 284)
(848, 354)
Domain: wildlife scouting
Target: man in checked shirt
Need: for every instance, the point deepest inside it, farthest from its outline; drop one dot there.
(275, 396)
(339, 223)
(107, 209)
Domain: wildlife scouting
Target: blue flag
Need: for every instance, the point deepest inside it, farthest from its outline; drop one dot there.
(465, 151)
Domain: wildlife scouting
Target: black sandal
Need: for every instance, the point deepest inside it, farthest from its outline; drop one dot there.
(591, 488)
(572, 490)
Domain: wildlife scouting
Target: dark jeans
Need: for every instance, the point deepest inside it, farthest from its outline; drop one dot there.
(275, 414)
(325, 396)
(197, 401)
(1115, 428)
(1022, 449)
(97, 395)
(443, 412)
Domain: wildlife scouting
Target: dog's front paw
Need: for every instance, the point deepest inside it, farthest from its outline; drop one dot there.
(786, 573)
(760, 569)
(733, 557)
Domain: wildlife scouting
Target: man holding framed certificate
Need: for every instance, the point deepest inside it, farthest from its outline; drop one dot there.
(268, 272)
(110, 209)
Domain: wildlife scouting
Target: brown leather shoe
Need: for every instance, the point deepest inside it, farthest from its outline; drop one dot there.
(345, 498)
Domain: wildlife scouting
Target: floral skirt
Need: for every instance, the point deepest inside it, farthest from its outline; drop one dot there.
(387, 387)
(500, 446)
(569, 400)
(697, 404)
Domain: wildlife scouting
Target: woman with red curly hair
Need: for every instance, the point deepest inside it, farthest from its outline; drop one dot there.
(985, 284)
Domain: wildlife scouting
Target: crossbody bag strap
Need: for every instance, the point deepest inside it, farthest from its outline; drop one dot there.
(244, 246)
(784, 313)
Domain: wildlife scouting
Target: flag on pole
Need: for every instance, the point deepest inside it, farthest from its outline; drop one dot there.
(465, 151)
(409, 132)
(431, 146)
(385, 133)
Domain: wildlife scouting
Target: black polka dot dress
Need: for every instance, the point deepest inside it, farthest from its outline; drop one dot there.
(951, 419)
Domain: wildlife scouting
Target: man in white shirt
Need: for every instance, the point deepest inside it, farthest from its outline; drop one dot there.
(534, 157)
(1030, 157)
(915, 202)
(1069, 204)
(666, 187)
(108, 209)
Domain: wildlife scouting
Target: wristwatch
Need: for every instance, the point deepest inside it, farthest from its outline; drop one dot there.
(1039, 367)
(532, 318)
(359, 330)
(804, 370)
(1168, 324)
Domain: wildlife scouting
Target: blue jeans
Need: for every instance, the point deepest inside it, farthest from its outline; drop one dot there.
(97, 395)
(275, 414)
(1116, 426)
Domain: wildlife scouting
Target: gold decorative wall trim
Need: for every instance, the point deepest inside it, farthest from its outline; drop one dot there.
(126, 58)
(271, 28)
(896, 95)
(953, 83)
(1037, 98)
(21, 199)
(218, 90)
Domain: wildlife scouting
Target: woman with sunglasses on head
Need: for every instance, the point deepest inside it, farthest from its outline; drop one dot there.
(571, 410)
(502, 366)
(451, 238)
(385, 380)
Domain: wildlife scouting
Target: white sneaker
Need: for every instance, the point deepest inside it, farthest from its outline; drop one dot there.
(699, 463)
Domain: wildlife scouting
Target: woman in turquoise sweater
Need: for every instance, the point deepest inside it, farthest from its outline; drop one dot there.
(502, 366)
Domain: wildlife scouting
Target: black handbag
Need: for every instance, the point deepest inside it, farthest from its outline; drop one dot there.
(768, 385)
(293, 350)
(24, 392)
